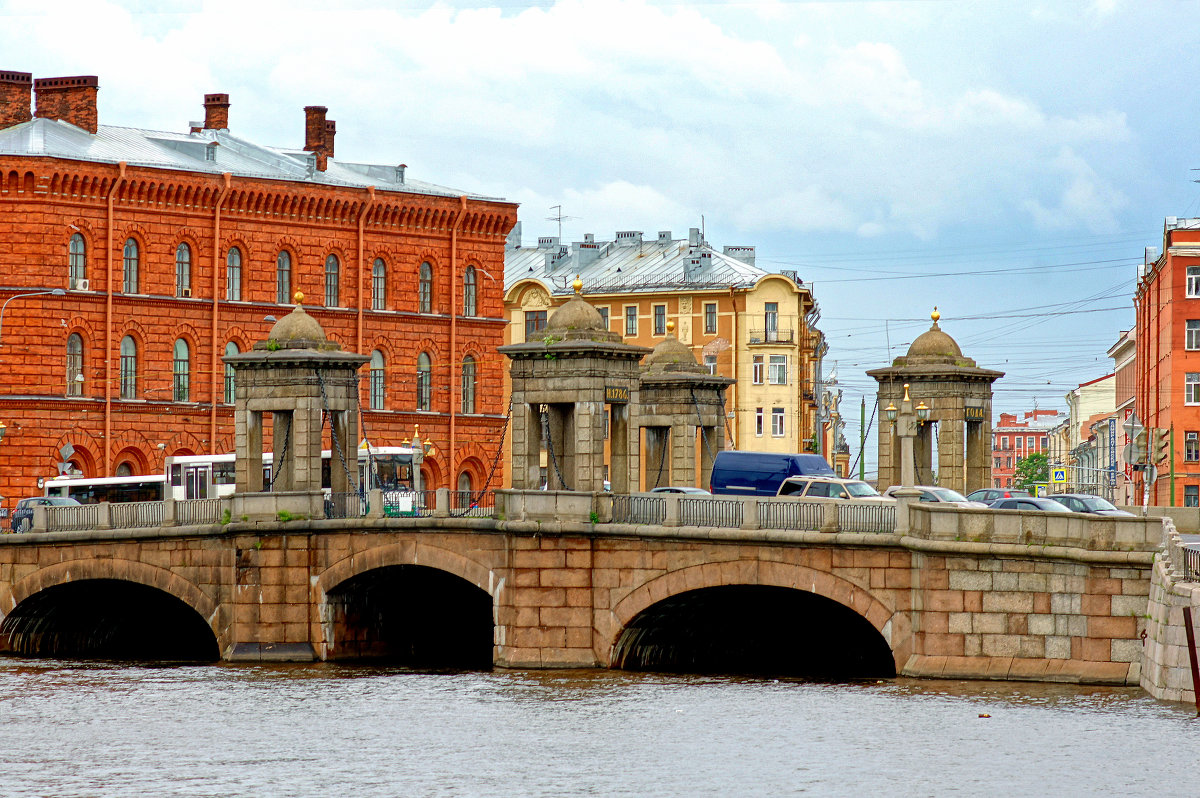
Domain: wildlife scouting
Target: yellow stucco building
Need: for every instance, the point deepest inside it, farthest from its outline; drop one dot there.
(742, 322)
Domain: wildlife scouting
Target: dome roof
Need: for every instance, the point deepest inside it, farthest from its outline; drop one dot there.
(671, 355)
(934, 343)
(298, 330)
(576, 314)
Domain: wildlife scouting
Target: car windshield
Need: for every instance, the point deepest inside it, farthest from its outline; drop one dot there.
(1096, 503)
(1052, 506)
(947, 495)
(860, 489)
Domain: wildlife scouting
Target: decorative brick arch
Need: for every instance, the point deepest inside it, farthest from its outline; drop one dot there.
(418, 553)
(120, 570)
(892, 625)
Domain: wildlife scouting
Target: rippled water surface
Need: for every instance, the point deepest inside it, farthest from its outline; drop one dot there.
(69, 729)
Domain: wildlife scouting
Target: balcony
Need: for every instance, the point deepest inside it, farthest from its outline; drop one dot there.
(772, 336)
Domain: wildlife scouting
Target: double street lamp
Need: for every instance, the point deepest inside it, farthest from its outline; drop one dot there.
(906, 420)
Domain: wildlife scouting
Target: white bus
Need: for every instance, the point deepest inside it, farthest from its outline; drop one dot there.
(208, 476)
(92, 490)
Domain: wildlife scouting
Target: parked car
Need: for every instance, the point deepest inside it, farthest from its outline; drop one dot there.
(989, 495)
(761, 473)
(1087, 503)
(22, 517)
(931, 493)
(830, 488)
(1030, 503)
(680, 489)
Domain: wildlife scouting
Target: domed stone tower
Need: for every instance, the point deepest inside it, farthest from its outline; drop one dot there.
(296, 377)
(959, 396)
(683, 415)
(564, 390)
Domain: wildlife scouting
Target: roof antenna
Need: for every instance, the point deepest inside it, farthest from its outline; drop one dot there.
(558, 217)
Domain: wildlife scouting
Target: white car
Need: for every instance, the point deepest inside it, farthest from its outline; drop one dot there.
(830, 488)
(930, 493)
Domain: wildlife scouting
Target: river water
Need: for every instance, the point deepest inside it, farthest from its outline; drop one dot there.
(86, 729)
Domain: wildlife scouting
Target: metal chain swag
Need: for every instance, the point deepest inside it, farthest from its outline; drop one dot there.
(545, 413)
(278, 461)
(700, 423)
(350, 480)
(473, 498)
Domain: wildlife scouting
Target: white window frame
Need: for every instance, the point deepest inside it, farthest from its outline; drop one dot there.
(710, 362)
(777, 368)
(778, 426)
(1191, 388)
(1191, 447)
(631, 320)
(1191, 340)
(758, 422)
(757, 368)
(1193, 281)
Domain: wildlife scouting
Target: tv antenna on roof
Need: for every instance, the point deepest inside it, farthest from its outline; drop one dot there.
(558, 217)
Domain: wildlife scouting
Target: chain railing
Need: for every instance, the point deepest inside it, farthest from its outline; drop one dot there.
(790, 515)
(473, 504)
(629, 509)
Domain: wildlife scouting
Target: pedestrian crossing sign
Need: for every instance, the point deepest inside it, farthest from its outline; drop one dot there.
(1058, 475)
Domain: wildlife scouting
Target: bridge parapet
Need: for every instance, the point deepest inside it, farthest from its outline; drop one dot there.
(1094, 533)
(1174, 584)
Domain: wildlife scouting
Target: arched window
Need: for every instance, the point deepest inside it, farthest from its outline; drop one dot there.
(131, 267)
(425, 289)
(379, 285)
(377, 380)
(183, 270)
(468, 384)
(470, 302)
(125, 469)
(424, 382)
(230, 395)
(74, 365)
(331, 281)
(77, 262)
(283, 278)
(464, 482)
(181, 370)
(129, 367)
(233, 274)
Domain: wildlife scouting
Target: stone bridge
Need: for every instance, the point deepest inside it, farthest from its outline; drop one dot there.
(568, 580)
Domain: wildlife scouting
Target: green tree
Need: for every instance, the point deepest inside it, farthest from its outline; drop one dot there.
(1031, 469)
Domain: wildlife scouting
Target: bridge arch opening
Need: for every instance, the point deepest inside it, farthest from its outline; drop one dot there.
(411, 615)
(760, 630)
(107, 619)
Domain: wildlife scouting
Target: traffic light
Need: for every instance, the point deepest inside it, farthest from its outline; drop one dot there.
(1162, 445)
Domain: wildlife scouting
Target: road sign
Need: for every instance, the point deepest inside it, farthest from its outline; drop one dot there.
(1058, 475)
(1132, 426)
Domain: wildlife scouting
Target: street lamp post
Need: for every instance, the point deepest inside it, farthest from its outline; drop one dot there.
(4, 307)
(906, 421)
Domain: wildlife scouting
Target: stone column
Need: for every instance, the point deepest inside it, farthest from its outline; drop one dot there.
(618, 436)
(658, 467)
(248, 475)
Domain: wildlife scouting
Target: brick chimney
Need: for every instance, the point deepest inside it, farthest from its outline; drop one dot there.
(72, 100)
(15, 98)
(314, 134)
(216, 112)
(330, 132)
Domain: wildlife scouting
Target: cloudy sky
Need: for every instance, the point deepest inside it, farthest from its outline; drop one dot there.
(1006, 161)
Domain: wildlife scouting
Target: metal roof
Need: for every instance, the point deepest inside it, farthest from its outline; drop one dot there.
(631, 263)
(210, 151)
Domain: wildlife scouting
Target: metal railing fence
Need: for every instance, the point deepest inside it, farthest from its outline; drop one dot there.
(867, 517)
(629, 509)
(405, 503)
(710, 511)
(472, 504)
(347, 504)
(130, 515)
(199, 511)
(790, 515)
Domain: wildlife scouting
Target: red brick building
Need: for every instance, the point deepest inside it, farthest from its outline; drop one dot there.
(1167, 388)
(1014, 439)
(132, 260)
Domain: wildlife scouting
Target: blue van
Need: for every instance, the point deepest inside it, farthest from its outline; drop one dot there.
(761, 473)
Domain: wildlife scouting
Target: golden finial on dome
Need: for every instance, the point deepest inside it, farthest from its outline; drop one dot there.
(298, 297)
(935, 315)
(577, 285)
(670, 328)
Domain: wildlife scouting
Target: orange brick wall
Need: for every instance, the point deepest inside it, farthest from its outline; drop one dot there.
(42, 203)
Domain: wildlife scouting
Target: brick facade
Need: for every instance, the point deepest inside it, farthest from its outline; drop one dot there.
(45, 201)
